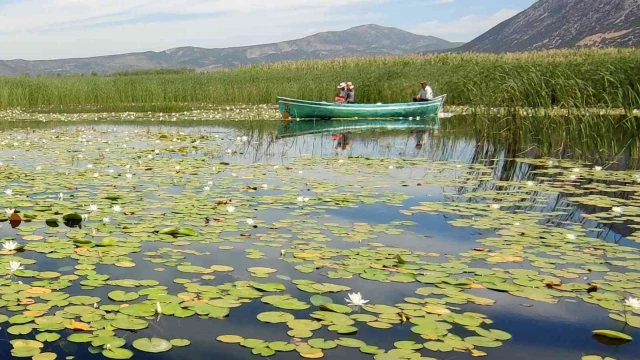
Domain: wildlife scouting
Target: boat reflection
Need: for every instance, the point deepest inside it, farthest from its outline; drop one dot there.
(291, 128)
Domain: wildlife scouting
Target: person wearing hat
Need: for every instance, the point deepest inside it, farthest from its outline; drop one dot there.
(426, 93)
(351, 94)
(342, 96)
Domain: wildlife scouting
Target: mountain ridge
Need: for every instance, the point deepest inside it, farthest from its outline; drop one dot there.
(364, 40)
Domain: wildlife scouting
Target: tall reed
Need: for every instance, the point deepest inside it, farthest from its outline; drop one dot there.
(573, 79)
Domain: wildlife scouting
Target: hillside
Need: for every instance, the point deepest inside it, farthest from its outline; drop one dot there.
(555, 24)
(363, 40)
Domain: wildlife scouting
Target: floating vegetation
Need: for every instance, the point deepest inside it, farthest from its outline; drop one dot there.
(314, 279)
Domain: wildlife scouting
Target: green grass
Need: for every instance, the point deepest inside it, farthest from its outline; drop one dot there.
(574, 79)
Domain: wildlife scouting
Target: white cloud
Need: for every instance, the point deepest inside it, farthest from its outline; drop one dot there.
(37, 29)
(465, 28)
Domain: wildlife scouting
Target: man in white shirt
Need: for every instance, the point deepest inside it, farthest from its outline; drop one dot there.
(426, 93)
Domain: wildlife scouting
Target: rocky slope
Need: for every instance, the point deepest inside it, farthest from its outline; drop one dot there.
(554, 24)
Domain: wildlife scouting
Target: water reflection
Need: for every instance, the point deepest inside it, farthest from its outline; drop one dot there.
(536, 330)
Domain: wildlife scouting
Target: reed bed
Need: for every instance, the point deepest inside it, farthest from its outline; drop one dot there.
(569, 79)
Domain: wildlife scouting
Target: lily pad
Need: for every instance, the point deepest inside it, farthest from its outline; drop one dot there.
(152, 345)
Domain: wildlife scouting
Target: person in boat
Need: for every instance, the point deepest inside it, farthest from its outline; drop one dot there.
(342, 93)
(351, 94)
(426, 93)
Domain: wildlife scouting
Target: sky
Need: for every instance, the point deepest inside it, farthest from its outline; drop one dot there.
(54, 29)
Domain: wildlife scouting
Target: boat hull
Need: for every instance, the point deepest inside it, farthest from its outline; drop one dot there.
(302, 109)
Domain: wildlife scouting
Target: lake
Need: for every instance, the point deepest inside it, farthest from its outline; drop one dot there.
(166, 238)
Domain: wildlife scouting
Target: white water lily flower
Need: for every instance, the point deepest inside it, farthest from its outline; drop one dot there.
(157, 151)
(177, 167)
(117, 208)
(106, 220)
(9, 192)
(617, 209)
(245, 139)
(632, 302)
(38, 168)
(250, 221)
(276, 166)
(571, 236)
(598, 168)
(89, 166)
(231, 208)
(60, 196)
(96, 174)
(356, 299)
(550, 163)
(93, 207)
(390, 167)
(206, 188)
(234, 174)
(129, 176)
(158, 308)
(9, 211)
(84, 217)
(573, 177)
(495, 206)
(210, 183)
(149, 156)
(10, 245)
(283, 252)
(15, 266)
(300, 172)
(530, 183)
(576, 170)
(265, 186)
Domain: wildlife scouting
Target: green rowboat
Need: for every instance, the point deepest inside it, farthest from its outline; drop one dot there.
(292, 128)
(302, 109)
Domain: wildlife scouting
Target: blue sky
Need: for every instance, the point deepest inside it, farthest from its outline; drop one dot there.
(50, 29)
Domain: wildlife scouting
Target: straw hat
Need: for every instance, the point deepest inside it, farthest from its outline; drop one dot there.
(424, 82)
(350, 85)
(342, 85)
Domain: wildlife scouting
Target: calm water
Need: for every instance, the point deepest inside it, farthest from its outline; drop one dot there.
(539, 330)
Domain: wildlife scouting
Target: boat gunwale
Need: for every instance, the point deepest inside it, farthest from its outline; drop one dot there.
(365, 107)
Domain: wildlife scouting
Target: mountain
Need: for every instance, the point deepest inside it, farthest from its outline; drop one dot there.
(555, 24)
(363, 40)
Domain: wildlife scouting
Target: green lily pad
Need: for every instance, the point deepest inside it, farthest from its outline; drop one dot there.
(230, 339)
(117, 354)
(282, 346)
(319, 300)
(45, 356)
(152, 345)
(122, 296)
(341, 309)
(322, 344)
(180, 342)
(613, 334)
(275, 317)
(130, 324)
